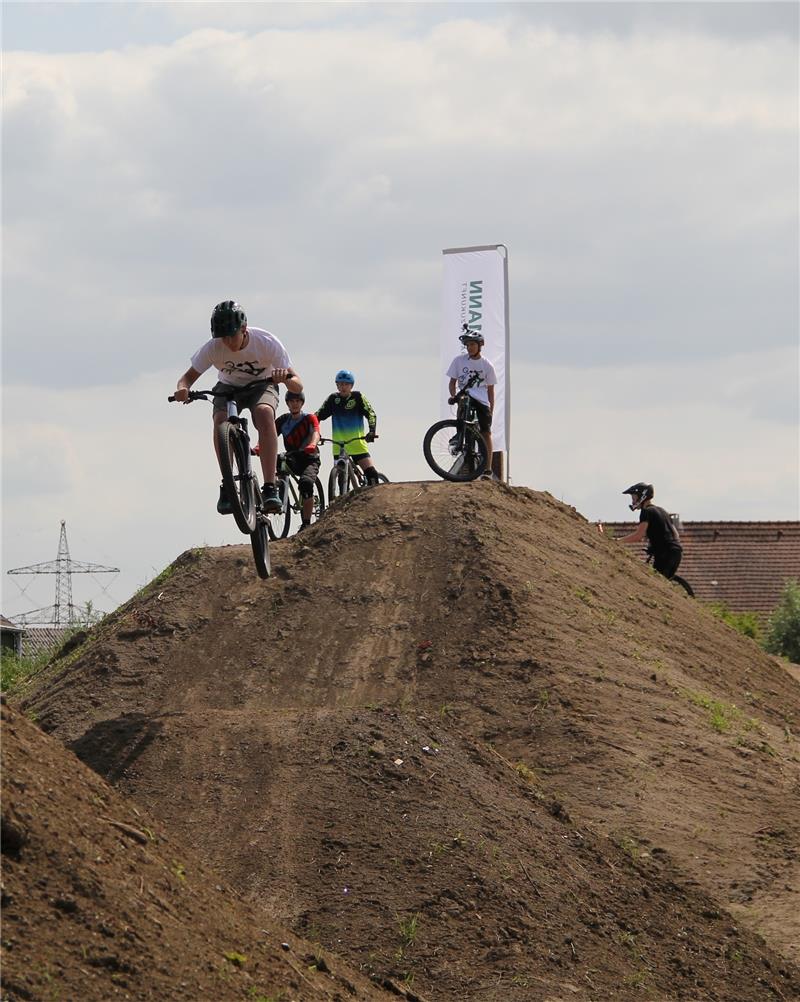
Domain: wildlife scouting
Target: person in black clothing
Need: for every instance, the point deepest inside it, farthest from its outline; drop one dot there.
(663, 541)
(301, 437)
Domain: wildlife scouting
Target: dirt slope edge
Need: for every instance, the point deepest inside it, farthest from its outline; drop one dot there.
(99, 903)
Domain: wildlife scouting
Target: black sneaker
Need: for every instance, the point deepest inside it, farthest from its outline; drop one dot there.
(223, 505)
(303, 525)
(270, 499)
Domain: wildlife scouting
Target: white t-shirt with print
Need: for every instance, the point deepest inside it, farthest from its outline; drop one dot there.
(462, 367)
(257, 360)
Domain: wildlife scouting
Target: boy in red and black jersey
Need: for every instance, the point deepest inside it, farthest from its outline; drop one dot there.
(301, 437)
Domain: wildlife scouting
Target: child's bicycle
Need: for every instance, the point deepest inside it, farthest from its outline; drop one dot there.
(345, 474)
(240, 480)
(291, 500)
(454, 448)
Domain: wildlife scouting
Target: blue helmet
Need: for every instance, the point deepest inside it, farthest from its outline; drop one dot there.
(344, 376)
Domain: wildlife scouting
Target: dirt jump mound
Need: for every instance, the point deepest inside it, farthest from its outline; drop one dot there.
(466, 743)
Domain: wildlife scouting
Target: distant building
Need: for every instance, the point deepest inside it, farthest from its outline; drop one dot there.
(11, 636)
(44, 639)
(746, 565)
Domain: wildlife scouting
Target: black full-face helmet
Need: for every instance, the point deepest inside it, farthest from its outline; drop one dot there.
(469, 335)
(227, 318)
(639, 493)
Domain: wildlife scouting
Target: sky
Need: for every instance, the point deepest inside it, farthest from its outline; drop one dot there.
(312, 161)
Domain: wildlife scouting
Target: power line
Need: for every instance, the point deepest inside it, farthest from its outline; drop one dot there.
(62, 612)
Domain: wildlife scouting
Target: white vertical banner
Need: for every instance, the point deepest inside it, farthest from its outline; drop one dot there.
(475, 293)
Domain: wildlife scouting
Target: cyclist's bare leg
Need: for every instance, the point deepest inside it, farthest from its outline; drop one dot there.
(487, 437)
(366, 463)
(264, 420)
(308, 509)
(219, 417)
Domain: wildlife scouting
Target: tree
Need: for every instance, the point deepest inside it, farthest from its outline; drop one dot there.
(783, 632)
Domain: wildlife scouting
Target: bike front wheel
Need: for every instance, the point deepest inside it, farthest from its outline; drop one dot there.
(240, 486)
(259, 540)
(319, 499)
(338, 483)
(454, 451)
(278, 522)
(683, 584)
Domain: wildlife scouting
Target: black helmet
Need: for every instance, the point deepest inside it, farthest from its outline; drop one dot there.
(642, 491)
(292, 395)
(227, 318)
(469, 335)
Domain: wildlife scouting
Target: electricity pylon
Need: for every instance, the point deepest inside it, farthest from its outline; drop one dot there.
(63, 612)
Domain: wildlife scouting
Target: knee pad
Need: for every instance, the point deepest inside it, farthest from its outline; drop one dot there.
(306, 488)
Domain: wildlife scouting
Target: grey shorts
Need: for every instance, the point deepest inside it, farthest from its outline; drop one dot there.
(249, 396)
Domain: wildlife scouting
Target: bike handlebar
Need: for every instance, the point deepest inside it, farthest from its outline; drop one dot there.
(220, 391)
(358, 438)
(195, 395)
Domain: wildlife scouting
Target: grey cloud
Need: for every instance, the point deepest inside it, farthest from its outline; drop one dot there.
(238, 166)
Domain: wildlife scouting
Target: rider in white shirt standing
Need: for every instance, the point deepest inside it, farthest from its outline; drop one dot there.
(462, 368)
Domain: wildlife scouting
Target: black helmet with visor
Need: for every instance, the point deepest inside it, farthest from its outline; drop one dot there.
(640, 493)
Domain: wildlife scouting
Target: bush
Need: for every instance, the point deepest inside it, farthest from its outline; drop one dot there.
(745, 623)
(783, 631)
(15, 668)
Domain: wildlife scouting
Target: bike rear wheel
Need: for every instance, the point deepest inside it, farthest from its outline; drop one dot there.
(338, 483)
(240, 486)
(259, 540)
(278, 522)
(455, 452)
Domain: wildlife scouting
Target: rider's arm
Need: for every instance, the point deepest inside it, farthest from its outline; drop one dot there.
(288, 376)
(312, 438)
(326, 409)
(186, 380)
(369, 414)
(451, 388)
(490, 394)
(636, 536)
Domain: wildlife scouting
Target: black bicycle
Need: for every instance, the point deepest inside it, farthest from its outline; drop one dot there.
(278, 524)
(346, 475)
(454, 448)
(239, 479)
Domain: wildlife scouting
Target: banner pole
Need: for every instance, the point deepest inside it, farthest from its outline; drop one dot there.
(508, 366)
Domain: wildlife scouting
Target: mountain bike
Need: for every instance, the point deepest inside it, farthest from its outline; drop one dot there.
(676, 579)
(454, 448)
(291, 500)
(239, 478)
(346, 475)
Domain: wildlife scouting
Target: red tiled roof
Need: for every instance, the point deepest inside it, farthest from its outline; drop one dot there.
(744, 564)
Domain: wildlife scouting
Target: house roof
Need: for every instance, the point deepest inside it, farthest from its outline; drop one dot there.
(744, 564)
(6, 624)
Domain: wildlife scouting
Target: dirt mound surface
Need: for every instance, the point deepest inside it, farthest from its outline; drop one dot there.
(99, 903)
(466, 742)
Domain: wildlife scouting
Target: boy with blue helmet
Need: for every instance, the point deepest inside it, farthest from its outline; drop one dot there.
(348, 409)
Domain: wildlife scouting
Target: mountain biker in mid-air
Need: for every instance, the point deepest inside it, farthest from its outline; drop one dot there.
(252, 362)
(301, 437)
(348, 409)
(663, 541)
(482, 391)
